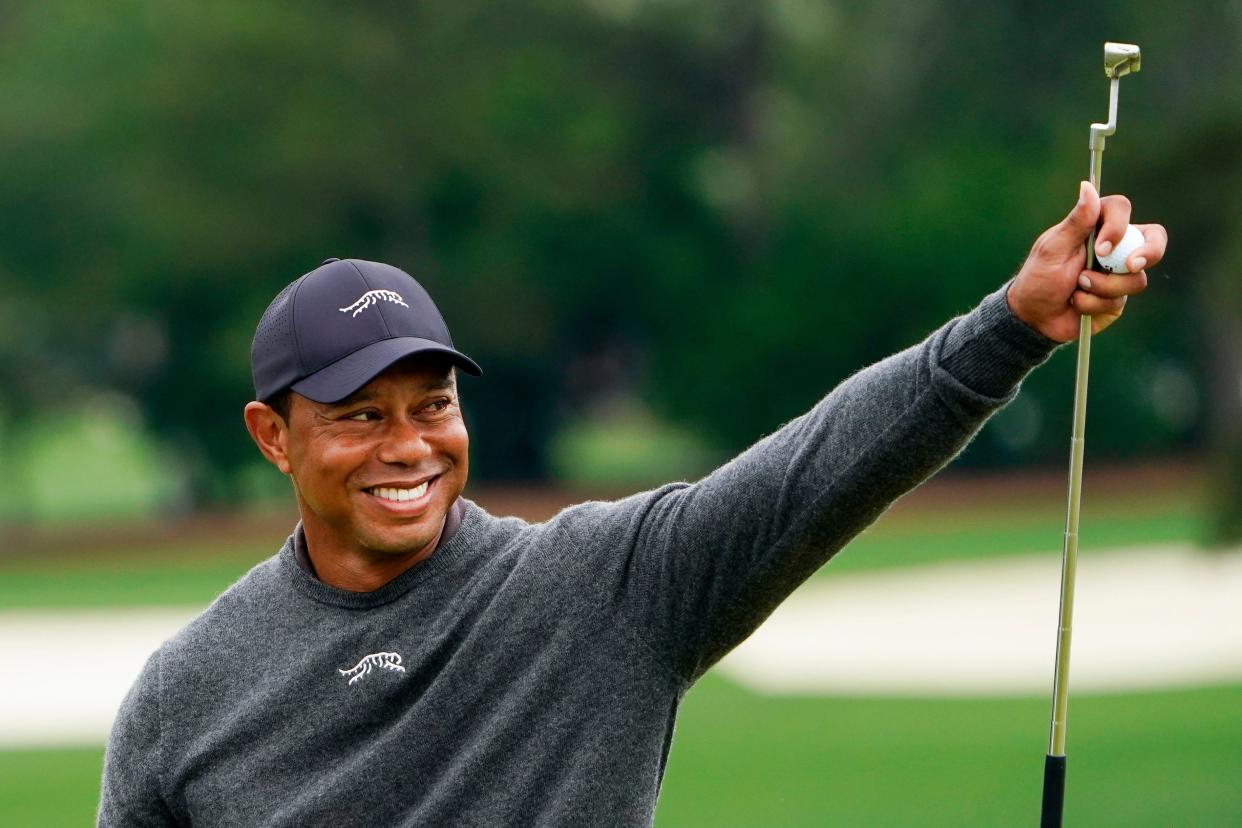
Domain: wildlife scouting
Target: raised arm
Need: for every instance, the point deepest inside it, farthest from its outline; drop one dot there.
(696, 567)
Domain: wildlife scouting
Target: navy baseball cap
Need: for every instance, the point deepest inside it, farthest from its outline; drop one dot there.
(331, 331)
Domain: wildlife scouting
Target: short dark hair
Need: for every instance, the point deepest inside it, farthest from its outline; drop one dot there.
(281, 402)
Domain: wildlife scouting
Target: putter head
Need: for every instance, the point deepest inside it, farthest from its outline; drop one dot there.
(1120, 59)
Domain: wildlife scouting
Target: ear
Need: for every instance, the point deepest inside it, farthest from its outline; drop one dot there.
(270, 433)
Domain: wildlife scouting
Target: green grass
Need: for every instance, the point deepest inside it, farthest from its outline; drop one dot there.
(738, 759)
(191, 576)
(1135, 760)
(195, 574)
(988, 531)
(49, 787)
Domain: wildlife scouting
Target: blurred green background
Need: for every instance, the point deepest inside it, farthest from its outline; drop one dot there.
(663, 227)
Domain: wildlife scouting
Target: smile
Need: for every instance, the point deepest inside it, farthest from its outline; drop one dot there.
(400, 494)
(393, 494)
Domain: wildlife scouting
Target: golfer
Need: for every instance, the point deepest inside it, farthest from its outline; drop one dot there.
(407, 658)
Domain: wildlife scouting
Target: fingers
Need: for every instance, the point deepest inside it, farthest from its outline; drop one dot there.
(1068, 236)
(1111, 215)
(1114, 218)
(1102, 296)
(1088, 304)
(1110, 286)
(1053, 271)
(1151, 251)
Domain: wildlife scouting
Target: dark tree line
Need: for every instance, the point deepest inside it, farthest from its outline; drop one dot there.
(721, 208)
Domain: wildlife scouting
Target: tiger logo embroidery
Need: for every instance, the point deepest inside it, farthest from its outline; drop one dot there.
(370, 298)
(384, 661)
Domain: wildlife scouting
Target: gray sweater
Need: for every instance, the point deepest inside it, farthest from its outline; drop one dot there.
(530, 674)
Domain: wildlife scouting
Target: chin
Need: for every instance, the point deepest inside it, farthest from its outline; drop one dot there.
(395, 543)
(400, 540)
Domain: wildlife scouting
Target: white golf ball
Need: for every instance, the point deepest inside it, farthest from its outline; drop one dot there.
(1115, 261)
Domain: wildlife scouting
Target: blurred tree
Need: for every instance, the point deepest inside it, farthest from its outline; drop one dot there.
(1196, 177)
(723, 208)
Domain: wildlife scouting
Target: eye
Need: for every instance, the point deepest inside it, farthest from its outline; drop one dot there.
(362, 416)
(437, 406)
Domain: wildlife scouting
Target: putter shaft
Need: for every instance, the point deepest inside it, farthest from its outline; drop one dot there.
(1120, 59)
(1069, 557)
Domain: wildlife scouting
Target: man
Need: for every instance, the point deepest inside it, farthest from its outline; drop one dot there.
(409, 659)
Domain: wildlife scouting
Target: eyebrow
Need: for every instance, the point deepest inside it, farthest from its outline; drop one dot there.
(362, 395)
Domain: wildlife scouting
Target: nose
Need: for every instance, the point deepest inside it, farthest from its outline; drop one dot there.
(403, 444)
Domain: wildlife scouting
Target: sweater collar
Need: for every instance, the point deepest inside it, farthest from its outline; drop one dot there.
(446, 554)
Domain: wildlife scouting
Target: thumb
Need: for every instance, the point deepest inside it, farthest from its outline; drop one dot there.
(1075, 228)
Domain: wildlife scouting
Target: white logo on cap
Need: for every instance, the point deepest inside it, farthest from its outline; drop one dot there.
(369, 298)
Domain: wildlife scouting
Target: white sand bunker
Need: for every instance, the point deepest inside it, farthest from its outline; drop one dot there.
(1143, 619)
(63, 673)
(1152, 618)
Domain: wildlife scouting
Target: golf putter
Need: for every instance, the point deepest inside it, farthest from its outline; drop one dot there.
(1120, 59)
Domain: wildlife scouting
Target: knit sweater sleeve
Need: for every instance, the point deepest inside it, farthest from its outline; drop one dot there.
(703, 564)
(131, 793)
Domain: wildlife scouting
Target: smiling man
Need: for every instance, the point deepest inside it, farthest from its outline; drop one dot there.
(355, 368)
(409, 659)
(376, 473)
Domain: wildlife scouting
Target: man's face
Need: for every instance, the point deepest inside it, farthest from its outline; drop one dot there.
(376, 473)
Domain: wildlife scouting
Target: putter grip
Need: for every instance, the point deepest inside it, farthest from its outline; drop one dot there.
(1054, 791)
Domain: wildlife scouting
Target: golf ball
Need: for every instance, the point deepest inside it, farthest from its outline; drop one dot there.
(1115, 261)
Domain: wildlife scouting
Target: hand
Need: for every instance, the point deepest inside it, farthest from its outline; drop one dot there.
(1052, 291)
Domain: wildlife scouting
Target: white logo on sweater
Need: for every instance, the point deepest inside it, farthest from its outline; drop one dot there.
(369, 298)
(386, 661)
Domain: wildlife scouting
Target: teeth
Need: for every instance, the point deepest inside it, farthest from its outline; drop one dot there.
(400, 495)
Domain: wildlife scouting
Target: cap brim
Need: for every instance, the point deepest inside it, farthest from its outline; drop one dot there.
(337, 381)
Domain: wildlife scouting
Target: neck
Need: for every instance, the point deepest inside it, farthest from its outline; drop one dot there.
(357, 569)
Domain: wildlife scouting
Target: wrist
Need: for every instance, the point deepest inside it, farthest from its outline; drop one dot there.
(1015, 304)
(1019, 304)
